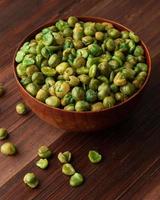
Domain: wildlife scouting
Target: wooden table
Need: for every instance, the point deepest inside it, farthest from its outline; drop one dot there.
(131, 166)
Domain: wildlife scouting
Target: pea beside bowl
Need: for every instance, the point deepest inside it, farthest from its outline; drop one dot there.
(72, 121)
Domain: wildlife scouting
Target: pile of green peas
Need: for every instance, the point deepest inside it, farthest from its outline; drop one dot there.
(82, 66)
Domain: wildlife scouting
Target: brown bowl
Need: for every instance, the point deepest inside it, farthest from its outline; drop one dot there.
(83, 121)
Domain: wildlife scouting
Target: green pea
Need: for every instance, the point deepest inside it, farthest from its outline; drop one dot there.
(64, 157)
(62, 89)
(78, 93)
(19, 56)
(82, 106)
(91, 96)
(109, 102)
(94, 156)
(62, 67)
(128, 89)
(67, 99)
(47, 39)
(95, 49)
(132, 46)
(42, 95)
(120, 96)
(142, 67)
(59, 38)
(119, 79)
(97, 106)
(31, 180)
(50, 81)
(21, 70)
(128, 73)
(73, 81)
(139, 80)
(76, 180)
(93, 84)
(82, 53)
(61, 25)
(132, 59)
(53, 101)
(84, 79)
(47, 71)
(104, 68)
(134, 37)
(67, 32)
(99, 36)
(141, 59)
(89, 29)
(68, 72)
(78, 44)
(28, 60)
(114, 88)
(79, 62)
(120, 62)
(54, 60)
(31, 69)
(103, 91)
(92, 71)
(21, 109)
(68, 169)
(78, 32)
(113, 33)
(70, 107)
(114, 64)
(138, 51)
(82, 70)
(72, 21)
(110, 45)
(8, 149)
(44, 152)
(38, 78)
(3, 133)
(87, 40)
(125, 34)
(45, 87)
(39, 58)
(32, 88)
(42, 163)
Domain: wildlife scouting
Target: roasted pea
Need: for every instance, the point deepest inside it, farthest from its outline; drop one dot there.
(31, 180)
(84, 79)
(21, 108)
(72, 21)
(134, 37)
(119, 79)
(82, 106)
(44, 152)
(8, 149)
(38, 78)
(64, 157)
(91, 96)
(67, 99)
(62, 89)
(42, 163)
(70, 107)
(103, 91)
(138, 51)
(76, 180)
(110, 45)
(68, 169)
(42, 95)
(97, 106)
(32, 88)
(109, 102)
(94, 156)
(53, 101)
(120, 96)
(78, 93)
(3, 133)
(127, 89)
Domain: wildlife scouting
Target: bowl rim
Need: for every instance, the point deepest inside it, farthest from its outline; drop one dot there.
(83, 18)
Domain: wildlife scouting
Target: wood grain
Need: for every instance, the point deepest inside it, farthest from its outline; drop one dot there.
(131, 166)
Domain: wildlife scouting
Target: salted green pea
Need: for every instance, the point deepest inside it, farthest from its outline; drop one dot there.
(83, 52)
(113, 33)
(68, 169)
(134, 37)
(114, 88)
(19, 56)
(31, 180)
(78, 32)
(72, 21)
(92, 71)
(61, 25)
(21, 108)
(95, 49)
(64, 157)
(8, 149)
(62, 67)
(51, 90)
(100, 27)
(128, 89)
(138, 50)
(109, 102)
(50, 81)
(125, 34)
(118, 59)
(3, 133)
(70, 107)
(128, 65)
(44, 152)
(82, 70)
(120, 96)
(32, 88)
(103, 78)
(31, 69)
(94, 156)
(128, 73)
(141, 59)
(38, 58)
(91, 96)
(45, 87)
(78, 93)
(68, 72)
(87, 40)
(113, 64)
(79, 62)
(67, 32)
(28, 60)
(97, 106)
(58, 36)
(142, 66)
(84, 79)
(38, 78)
(104, 68)
(21, 70)
(139, 80)
(54, 60)
(67, 99)
(132, 59)
(119, 79)
(47, 38)
(94, 83)
(73, 81)
(99, 36)
(78, 44)
(103, 91)
(82, 106)
(42, 95)
(2, 90)
(76, 180)
(62, 89)
(132, 46)
(110, 45)
(42, 163)
(48, 71)
(53, 101)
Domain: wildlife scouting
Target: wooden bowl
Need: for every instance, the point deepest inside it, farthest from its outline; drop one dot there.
(83, 121)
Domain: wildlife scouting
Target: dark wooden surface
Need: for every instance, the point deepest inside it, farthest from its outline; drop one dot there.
(131, 166)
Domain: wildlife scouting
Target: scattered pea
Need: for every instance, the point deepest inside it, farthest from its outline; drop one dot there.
(64, 157)
(21, 109)
(76, 180)
(68, 169)
(3, 133)
(8, 149)
(42, 163)
(31, 180)
(94, 156)
(44, 152)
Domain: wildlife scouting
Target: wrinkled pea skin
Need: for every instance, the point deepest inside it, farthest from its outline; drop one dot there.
(81, 66)
(31, 180)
